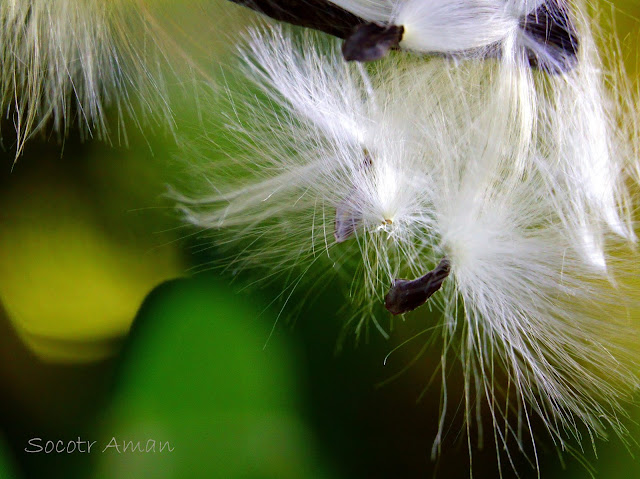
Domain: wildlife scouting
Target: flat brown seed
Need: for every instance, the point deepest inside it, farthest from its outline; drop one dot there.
(371, 42)
(556, 39)
(407, 295)
(347, 220)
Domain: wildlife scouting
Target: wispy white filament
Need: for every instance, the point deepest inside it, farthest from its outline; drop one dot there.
(445, 25)
(542, 31)
(65, 61)
(518, 178)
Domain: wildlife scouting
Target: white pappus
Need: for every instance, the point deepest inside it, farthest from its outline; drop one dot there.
(506, 187)
(541, 31)
(65, 61)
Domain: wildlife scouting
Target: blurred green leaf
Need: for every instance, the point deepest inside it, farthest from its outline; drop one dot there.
(195, 374)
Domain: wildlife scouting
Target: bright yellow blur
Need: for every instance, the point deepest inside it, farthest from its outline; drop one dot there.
(64, 280)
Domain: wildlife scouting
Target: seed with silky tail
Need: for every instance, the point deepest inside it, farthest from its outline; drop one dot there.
(540, 32)
(541, 29)
(516, 190)
(348, 219)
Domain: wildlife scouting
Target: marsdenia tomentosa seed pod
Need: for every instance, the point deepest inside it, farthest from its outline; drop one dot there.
(66, 61)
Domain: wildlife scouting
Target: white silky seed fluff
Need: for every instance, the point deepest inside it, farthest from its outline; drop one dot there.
(65, 61)
(517, 177)
(445, 25)
(471, 28)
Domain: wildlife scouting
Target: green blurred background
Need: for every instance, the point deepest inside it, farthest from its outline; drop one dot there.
(100, 339)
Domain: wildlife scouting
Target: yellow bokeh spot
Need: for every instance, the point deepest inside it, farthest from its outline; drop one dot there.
(71, 288)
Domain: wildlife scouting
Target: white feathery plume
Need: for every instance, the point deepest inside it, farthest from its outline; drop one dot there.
(445, 26)
(66, 61)
(541, 30)
(509, 185)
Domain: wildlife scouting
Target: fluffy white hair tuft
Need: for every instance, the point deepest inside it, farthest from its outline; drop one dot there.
(543, 31)
(66, 61)
(516, 178)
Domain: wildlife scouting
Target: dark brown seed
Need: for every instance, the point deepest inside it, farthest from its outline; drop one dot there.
(347, 220)
(371, 42)
(407, 295)
(555, 37)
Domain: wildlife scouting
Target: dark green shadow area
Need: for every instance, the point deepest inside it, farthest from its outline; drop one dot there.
(7, 467)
